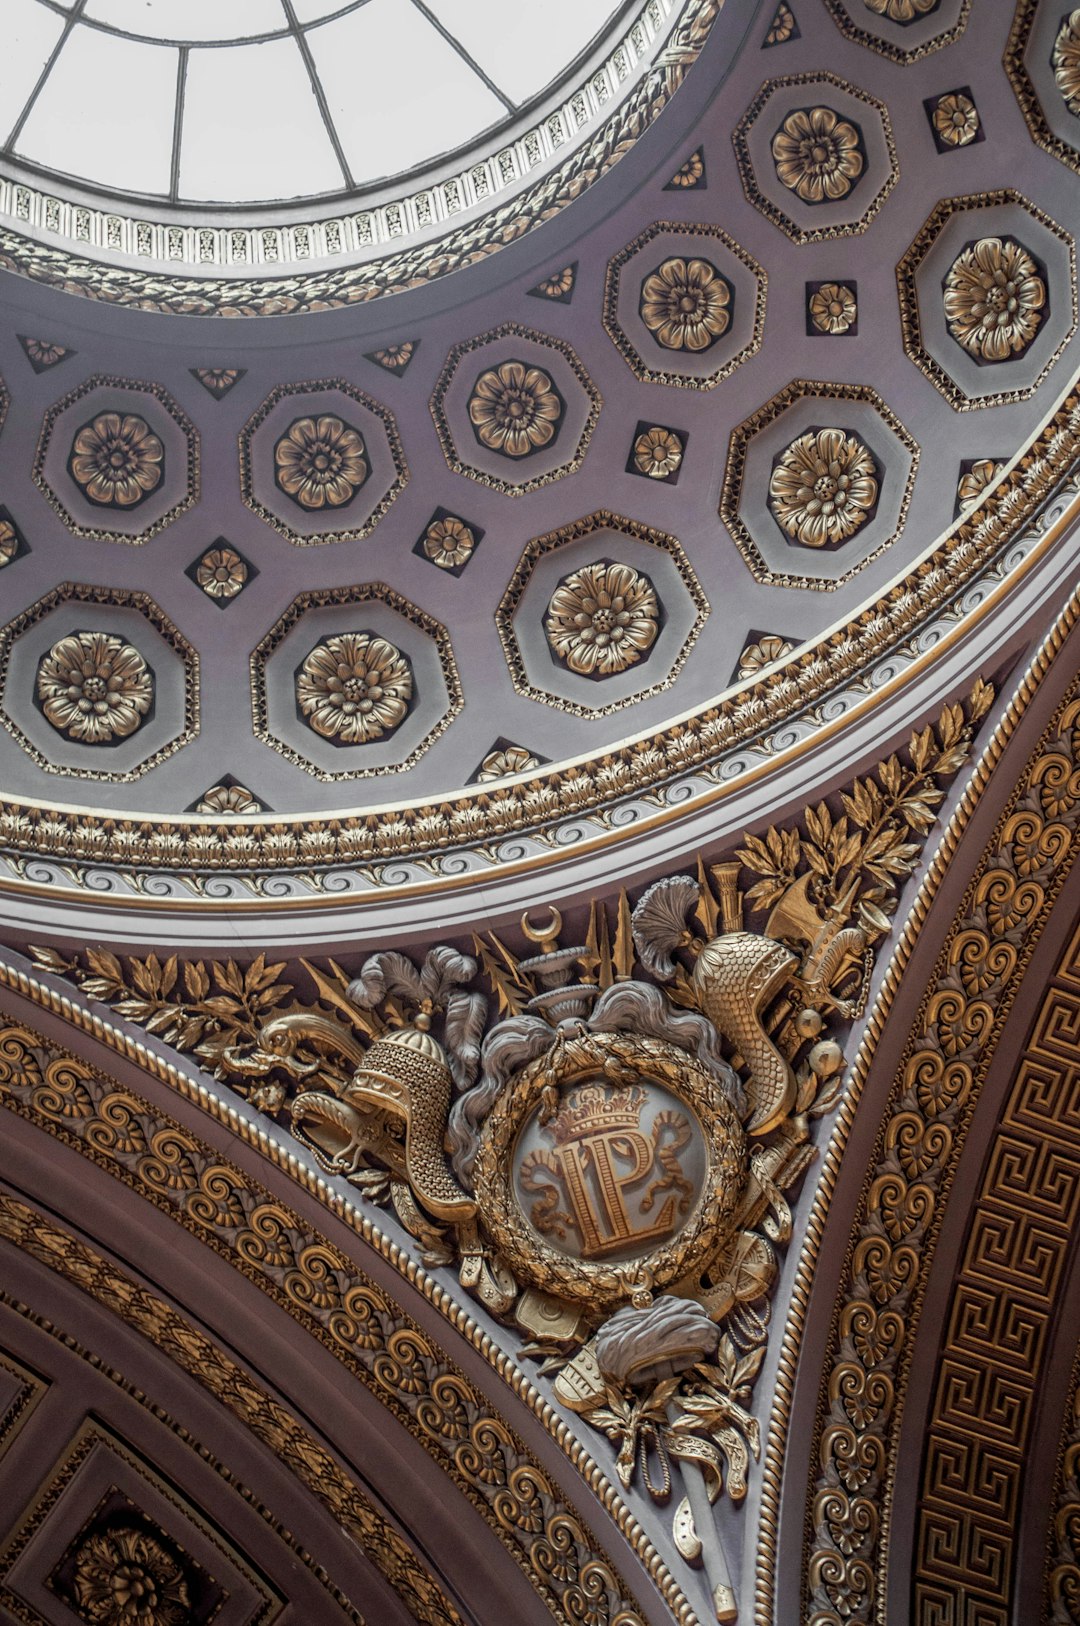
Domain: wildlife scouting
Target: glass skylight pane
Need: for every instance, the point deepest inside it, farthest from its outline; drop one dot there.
(314, 11)
(527, 50)
(191, 20)
(397, 92)
(106, 112)
(252, 127)
(30, 32)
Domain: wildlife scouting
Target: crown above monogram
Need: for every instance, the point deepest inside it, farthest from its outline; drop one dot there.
(592, 1110)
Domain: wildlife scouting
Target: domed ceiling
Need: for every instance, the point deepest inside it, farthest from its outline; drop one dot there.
(178, 101)
(601, 498)
(492, 618)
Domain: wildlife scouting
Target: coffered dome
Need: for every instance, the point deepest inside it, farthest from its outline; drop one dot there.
(539, 798)
(631, 507)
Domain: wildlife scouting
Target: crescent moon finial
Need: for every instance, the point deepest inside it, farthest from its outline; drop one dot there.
(546, 936)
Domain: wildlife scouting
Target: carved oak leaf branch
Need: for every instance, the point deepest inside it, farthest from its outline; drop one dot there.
(860, 857)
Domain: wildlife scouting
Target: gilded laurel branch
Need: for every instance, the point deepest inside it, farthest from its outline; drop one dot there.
(211, 1010)
(860, 854)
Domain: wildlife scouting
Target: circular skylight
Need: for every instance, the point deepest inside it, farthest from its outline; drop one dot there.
(259, 101)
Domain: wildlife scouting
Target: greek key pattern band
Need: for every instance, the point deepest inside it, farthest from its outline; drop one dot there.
(974, 982)
(1021, 1241)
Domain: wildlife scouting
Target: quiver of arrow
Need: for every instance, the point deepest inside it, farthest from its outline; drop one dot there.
(735, 977)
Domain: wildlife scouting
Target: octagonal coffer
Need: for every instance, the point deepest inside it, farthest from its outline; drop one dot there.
(600, 614)
(354, 682)
(514, 409)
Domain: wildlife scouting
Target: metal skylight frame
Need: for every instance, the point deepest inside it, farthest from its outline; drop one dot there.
(73, 16)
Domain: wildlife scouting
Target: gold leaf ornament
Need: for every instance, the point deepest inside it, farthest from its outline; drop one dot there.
(956, 120)
(94, 687)
(514, 409)
(1066, 61)
(817, 155)
(321, 462)
(823, 487)
(995, 298)
(602, 619)
(117, 460)
(354, 687)
(686, 304)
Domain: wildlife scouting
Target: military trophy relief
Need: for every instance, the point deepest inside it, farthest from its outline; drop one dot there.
(602, 1137)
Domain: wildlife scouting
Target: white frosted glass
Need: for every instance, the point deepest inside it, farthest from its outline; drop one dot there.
(30, 33)
(106, 112)
(252, 128)
(316, 11)
(523, 47)
(191, 20)
(397, 92)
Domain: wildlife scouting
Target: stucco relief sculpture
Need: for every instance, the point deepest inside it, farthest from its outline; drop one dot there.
(321, 462)
(602, 619)
(902, 11)
(579, 1145)
(994, 299)
(117, 460)
(354, 687)
(833, 308)
(823, 488)
(817, 154)
(600, 1134)
(686, 304)
(1066, 61)
(125, 1576)
(94, 688)
(515, 409)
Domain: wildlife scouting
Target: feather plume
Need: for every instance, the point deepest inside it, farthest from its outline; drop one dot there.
(443, 970)
(638, 1007)
(465, 1018)
(507, 1047)
(659, 922)
(386, 973)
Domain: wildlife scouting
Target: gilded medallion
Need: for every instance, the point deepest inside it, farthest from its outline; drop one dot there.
(610, 1152)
